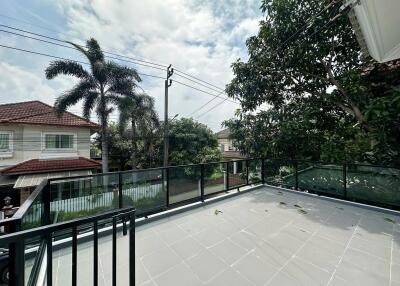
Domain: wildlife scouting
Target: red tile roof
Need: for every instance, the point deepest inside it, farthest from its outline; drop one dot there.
(42, 166)
(39, 113)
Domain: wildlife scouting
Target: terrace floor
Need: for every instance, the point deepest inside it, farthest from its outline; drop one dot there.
(262, 237)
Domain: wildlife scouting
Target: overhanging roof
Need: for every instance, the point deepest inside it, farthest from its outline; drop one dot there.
(378, 22)
(33, 180)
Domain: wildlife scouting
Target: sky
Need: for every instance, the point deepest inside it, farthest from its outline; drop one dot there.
(201, 38)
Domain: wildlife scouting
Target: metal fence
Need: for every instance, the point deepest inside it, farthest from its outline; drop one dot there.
(152, 190)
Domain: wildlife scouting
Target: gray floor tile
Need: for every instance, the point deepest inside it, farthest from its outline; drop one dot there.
(396, 273)
(227, 251)
(160, 261)
(187, 248)
(355, 275)
(206, 265)
(180, 275)
(209, 237)
(255, 269)
(231, 278)
(306, 273)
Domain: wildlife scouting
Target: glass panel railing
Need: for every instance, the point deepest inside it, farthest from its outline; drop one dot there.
(145, 190)
(373, 184)
(82, 197)
(280, 173)
(237, 174)
(255, 170)
(321, 178)
(34, 215)
(214, 178)
(184, 183)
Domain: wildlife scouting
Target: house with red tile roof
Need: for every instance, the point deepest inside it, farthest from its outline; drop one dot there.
(36, 143)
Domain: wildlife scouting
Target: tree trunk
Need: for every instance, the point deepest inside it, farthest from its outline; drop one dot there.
(134, 145)
(104, 141)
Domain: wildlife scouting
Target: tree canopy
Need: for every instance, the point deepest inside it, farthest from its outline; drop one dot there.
(307, 91)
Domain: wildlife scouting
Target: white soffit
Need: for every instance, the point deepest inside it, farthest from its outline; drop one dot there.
(379, 22)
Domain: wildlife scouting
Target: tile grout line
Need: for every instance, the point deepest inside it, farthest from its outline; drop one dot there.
(298, 250)
(345, 250)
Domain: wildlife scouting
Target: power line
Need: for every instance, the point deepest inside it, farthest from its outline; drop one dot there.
(63, 41)
(73, 48)
(189, 75)
(201, 107)
(199, 83)
(212, 108)
(206, 92)
(62, 58)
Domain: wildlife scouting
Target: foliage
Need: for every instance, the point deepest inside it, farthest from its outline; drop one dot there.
(191, 142)
(324, 99)
(99, 88)
(139, 111)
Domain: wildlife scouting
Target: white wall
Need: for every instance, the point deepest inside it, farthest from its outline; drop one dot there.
(28, 143)
(228, 144)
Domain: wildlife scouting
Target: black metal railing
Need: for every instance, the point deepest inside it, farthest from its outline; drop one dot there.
(74, 201)
(42, 240)
(153, 190)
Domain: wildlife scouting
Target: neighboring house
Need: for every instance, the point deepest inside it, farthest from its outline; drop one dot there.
(36, 143)
(229, 152)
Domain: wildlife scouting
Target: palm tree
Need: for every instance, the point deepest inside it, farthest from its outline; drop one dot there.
(103, 85)
(138, 111)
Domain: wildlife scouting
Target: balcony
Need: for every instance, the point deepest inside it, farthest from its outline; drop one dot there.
(216, 224)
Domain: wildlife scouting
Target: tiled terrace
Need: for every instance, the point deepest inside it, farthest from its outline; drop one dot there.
(263, 237)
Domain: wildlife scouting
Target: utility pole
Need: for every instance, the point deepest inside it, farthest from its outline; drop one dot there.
(168, 82)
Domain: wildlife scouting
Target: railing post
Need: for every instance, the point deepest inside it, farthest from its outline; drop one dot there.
(247, 172)
(132, 248)
(46, 204)
(345, 180)
(263, 171)
(167, 187)
(202, 182)
(296, 168)
(120, 198)
(227, 176)
(16, 260)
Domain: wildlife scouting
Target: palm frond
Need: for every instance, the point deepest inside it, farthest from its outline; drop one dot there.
(89, 104)
(94, 51)
(66, 68)
(72, 96)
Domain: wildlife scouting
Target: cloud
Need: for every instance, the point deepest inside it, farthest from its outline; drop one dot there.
(200, 37)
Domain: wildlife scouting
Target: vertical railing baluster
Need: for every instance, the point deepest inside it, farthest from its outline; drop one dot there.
(296, 169)
(247, 172)
(345, 180)
(263, 171)
(202, 182)
(46, 203)
(167, 187)
(114, 251)
(95, 253)
(132, 249)
(227, 176)
(74, 255)
(49, 258)
(120, 201)
(16, 256)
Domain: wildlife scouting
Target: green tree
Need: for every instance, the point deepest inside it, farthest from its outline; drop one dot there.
(100, 87)
(138, 111)
(320, 90)
(191, 142)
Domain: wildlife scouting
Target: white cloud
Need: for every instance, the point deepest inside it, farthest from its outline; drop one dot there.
(200, 37)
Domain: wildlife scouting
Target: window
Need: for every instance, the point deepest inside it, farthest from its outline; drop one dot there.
(5, 142)
(58, 141)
